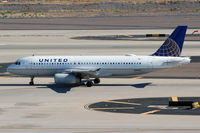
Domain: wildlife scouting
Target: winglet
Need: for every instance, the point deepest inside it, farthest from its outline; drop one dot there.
(173, 44)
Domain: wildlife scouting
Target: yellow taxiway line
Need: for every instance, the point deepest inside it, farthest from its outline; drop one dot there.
(150, 112)
(175, 99)
(8, 76)
(137, 78)
(114, 108)
(129, 35)
(122, 102)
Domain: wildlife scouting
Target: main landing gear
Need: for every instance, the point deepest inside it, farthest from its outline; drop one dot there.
(97, 81)
(31, 82)
(90, 83)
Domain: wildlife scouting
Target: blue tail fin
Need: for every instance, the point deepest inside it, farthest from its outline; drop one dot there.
(173, 44)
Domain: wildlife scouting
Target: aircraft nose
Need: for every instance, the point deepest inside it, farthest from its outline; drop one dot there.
(10, 68)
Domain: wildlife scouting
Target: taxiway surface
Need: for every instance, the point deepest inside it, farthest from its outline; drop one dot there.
(18, 43)
(41, 108)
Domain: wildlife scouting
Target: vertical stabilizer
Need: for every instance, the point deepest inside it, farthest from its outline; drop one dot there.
(173, 44)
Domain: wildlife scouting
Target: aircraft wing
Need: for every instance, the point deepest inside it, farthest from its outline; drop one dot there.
(91, 72)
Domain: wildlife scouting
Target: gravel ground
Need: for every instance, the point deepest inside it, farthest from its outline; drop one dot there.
(102, 6)
(95, 8)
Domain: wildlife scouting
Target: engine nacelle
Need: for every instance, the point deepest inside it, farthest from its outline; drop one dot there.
(62, 78)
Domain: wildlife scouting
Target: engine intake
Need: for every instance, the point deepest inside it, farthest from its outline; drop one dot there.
(62, 78)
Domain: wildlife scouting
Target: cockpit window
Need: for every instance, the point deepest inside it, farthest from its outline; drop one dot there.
(17, 63)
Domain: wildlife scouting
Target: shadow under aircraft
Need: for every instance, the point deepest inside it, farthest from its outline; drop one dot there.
(140, 85)
(65, 88)
(62, 88)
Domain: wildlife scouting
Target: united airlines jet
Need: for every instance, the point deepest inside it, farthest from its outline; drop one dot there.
(89, 69)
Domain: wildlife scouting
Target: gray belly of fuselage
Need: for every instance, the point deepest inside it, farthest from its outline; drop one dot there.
(37, 72)
(104, 72)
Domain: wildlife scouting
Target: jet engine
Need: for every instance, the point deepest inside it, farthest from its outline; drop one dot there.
(62, 78)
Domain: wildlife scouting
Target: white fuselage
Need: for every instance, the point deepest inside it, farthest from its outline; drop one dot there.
(44, 66)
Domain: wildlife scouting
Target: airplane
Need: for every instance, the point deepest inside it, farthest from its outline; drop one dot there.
(89, 69)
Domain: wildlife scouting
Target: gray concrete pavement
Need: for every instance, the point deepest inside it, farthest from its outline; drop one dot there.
(153, 21)
(40, 108)
(18, 43)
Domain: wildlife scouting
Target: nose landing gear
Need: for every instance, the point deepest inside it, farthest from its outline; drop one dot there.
(31, 82)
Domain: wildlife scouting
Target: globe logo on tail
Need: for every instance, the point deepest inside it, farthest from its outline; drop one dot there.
(169, 48)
